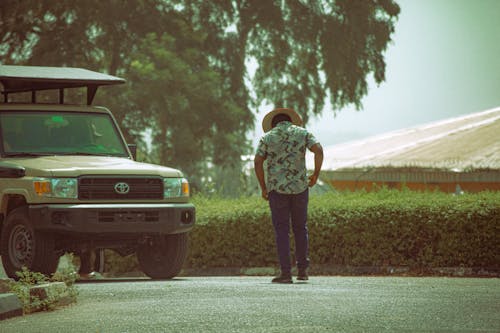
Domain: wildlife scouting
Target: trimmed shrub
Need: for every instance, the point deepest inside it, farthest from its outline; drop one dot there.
(421, 230)
(231, 233)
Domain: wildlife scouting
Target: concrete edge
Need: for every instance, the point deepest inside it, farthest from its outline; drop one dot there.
(55, 290)
(327, 270)
(11, 305)
(344, 270)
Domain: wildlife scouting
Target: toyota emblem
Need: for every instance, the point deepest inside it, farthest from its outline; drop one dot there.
(122, 188)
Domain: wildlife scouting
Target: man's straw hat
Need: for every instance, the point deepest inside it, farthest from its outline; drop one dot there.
(268, 118)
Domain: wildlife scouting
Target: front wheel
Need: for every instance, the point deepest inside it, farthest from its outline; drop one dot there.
(22, 246)
(162, 257)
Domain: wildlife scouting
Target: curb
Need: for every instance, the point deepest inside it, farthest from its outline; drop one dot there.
(346, 270)
(55, 290)
(11, 306)
(323, 270)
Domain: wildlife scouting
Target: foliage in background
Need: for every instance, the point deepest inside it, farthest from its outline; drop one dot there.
(187, 91)
(172, 92)
(66, 274)
(117, 265)
(304, 51)
(186, 65)
(386, 228)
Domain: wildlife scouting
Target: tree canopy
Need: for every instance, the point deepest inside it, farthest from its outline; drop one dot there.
(187, 63)
(304, 50)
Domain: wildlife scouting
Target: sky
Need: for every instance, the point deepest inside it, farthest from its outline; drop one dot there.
(444, 62)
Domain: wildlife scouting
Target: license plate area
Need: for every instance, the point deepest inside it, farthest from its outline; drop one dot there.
(128, 216)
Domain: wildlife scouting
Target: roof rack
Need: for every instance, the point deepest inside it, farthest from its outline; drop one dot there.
(17, 79)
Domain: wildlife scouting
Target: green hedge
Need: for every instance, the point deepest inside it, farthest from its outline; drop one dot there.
(384, 228)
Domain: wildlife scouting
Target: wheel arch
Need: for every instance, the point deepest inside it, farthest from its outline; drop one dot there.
(9, 203)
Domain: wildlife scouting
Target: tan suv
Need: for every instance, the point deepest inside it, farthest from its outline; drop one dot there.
(69, 182)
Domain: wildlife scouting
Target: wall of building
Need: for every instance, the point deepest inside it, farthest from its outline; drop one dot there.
(414, 179)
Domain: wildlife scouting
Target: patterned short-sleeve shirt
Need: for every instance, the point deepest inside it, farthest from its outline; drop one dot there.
(284, 148)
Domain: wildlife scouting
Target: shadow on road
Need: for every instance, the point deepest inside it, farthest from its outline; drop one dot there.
(120, 280)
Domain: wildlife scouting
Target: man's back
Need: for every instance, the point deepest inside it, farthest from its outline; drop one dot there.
(284, 148)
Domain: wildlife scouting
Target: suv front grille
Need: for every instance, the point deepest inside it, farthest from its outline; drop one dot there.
(103, 188)
(128, 216)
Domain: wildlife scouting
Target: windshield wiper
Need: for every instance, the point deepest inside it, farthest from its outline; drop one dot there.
(27, 154)
(78, 153)
(75, 153)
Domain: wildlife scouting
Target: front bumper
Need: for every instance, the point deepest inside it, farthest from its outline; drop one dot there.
(113, 218)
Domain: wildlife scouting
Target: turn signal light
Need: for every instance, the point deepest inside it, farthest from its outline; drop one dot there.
(42, 187)
(185, 188)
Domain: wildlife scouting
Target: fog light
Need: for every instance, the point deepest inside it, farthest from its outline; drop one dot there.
(186, 216)
(60, 218)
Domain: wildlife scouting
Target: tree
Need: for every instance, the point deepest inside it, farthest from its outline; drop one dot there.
(19, 26)
(306, 50)
(174, 86)
(171, 88)
(186, 63)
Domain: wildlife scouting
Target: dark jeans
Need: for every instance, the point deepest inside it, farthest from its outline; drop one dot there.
(286, 208)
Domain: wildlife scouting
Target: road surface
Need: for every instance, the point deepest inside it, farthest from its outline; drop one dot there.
(253, 304)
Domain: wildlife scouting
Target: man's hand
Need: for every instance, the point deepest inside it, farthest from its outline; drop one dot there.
(265, 195)
(318, 161)
(259, 172)
(312, 180)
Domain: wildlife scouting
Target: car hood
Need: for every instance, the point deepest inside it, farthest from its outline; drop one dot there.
(73, 166)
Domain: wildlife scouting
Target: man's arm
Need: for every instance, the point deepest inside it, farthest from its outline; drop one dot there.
(318, 161)
(259, 173)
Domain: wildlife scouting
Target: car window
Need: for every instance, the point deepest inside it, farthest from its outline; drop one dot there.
(60, 133)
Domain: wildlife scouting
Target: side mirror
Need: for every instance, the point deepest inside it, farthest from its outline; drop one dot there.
(133, 150)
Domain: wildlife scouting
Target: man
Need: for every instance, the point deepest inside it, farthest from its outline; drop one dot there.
(284, 147)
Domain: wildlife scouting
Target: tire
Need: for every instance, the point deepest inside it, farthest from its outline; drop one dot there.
(163, 256)
(22, 246)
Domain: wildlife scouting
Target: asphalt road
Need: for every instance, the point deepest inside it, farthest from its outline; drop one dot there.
(253, 304)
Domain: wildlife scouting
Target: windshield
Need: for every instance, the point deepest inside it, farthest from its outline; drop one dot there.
(71, 133)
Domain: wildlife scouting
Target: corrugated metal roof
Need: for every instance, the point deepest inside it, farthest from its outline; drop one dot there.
(464, 143)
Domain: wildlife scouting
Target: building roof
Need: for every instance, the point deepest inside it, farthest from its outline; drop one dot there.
(470, 142)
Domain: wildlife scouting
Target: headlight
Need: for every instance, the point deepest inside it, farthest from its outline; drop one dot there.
(56, 187)
(175, 187)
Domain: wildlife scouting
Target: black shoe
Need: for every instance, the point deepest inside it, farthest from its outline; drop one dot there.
(282, 279)
(302, 275)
